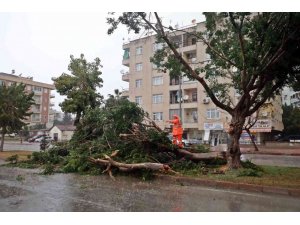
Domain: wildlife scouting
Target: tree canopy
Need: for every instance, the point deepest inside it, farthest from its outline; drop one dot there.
(80, 87)
(254, 54)
(291, 120)
(14, 109)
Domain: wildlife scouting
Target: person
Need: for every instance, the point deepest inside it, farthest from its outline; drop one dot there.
(177, 131)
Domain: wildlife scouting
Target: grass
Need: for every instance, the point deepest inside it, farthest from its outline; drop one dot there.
(287, 177)
(22, 155)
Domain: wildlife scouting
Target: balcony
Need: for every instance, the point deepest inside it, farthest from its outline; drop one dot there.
(52, 95)
(190, 124)
(126, 57)
(35, 110)
(125, 92)
(37, 92)
(51, 104)
(37, 101)
(125, 77)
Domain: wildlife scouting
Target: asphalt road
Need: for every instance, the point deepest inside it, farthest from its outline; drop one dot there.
(23, 191)
(25, 146)
(274, 160)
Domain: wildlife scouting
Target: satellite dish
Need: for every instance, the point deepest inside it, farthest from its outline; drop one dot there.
(186, 97)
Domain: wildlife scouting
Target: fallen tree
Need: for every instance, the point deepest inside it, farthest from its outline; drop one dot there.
(121, 137)
(139, 134)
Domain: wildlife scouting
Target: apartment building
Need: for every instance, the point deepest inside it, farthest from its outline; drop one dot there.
(290, 97)
(162, 97)
(41, 110)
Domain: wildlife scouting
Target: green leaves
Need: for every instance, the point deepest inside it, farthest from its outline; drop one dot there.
(291, 119)
(80, 87)
(14, 107)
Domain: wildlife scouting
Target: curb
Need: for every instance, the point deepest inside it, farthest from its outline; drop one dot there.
(187, 181)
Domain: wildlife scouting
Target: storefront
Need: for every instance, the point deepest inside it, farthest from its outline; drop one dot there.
(214, 134)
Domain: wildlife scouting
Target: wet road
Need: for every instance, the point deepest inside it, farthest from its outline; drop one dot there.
(22, 190)
(25, 146)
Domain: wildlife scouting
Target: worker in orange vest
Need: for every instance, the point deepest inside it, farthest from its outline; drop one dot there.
(177, 131)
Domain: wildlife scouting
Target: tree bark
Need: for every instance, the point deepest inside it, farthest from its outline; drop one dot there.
(234, 153)
(199, 156)
(252, 139)
(2, 141)
(127, 167)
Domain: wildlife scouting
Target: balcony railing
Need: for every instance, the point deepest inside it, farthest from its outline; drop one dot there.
(125, 92)
(125, 77)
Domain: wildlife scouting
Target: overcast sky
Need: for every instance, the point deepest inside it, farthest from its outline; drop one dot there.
(40, 44)
(38, 37)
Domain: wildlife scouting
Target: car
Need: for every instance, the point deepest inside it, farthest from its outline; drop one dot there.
(186, 142)
(32, 139)
(47, 139)
(290, 138)
(193, 141)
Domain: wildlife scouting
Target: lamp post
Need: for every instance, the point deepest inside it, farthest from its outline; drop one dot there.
(180, 97)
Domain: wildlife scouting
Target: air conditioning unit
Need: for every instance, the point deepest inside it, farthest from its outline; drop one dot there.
(186, 97)
(206, 100)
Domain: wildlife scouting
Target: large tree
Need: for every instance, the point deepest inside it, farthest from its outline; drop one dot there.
(80, 86)
(291, 119)
(254, 53)
(14, 109)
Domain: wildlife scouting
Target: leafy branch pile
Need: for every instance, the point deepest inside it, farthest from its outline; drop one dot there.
(120, 136)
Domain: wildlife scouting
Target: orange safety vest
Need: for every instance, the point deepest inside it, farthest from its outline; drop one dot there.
(177, 129)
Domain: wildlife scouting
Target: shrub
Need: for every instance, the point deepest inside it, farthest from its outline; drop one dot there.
(12, 159)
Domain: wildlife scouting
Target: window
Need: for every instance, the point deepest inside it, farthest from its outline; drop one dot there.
(139, 50)
(156, 99)
(138, 67)
(195, 115)
(157, 116)
(138, 100)
(126, 53)
(138, 83)
(174, 81)
(212, 114)
(157, 80)
(36, 117)
(37, 89)
(194, 96)
(173, 112)
(194, 40)
(28, 87)
(2, 83)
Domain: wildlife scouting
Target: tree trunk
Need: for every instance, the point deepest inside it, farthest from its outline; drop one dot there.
(234, 153)
(252, 139)
(2, 141)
